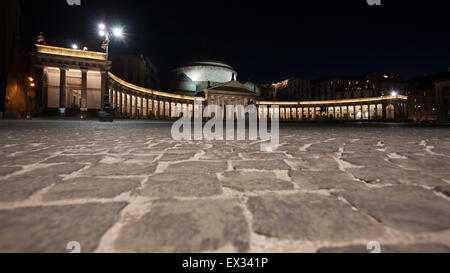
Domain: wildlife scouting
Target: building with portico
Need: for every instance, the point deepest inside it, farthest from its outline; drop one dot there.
(69, 79)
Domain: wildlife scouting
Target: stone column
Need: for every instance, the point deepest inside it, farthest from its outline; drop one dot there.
(84, 91)
(384, 111)
(161, 109)
(42, 86)
(62, 91)
(125, 104)
(116, 96)
(131, 106)
(376, 111)
(141, 112)
(103, 88)
(156, 104)
(121, 102)
(151, 109)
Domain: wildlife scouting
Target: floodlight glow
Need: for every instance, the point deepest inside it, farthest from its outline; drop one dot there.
(118, 32)
(74, 46)
(101, 26)
(101, 33)
(394, 94)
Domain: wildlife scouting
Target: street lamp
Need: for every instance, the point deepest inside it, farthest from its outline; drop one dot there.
(105, 114)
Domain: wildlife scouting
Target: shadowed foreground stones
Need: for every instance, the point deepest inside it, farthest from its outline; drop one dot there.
(88, 187)
(198, 167)
(314, 162)
(400, 187)
(310, 217)
(18, 188)
(59, 169)
(275, 164)
(120, 169)
(445, 189)
(417, 248)
(177, 185)
(50, 229)
(255, 181)
(395, 175)
(324, 180)
(191, 226)
(74, 158)
(407, 208)
(4, 171)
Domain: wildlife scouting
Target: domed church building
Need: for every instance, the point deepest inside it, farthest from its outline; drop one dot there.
(200, 73)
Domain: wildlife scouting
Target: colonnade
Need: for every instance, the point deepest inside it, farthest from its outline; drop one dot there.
(133, 102)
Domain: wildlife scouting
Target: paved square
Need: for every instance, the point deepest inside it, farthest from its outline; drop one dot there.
(128, 187)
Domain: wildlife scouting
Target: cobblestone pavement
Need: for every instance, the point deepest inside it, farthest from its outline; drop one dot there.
(128, 187)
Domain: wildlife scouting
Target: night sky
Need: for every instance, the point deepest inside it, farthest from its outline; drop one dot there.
(265, 41)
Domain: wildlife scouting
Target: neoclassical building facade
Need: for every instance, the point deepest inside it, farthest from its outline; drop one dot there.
(73, 79)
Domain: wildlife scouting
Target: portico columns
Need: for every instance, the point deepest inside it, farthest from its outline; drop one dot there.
(376, 112)
(83, 90)
(125, 104)
(163, 109)
(131, 106)
(103, 88)
(116, 102)
(120, 102)
(41, 92)
(62, 90)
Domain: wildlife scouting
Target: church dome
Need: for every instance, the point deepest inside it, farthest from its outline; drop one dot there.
(205, 71)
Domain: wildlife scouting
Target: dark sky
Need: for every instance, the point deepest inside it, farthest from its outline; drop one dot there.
(265, 41)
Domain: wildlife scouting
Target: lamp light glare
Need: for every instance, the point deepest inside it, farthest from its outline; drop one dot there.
(74, 46)
(118, 32)
(394, 94)
(101, 33)
(101, 27)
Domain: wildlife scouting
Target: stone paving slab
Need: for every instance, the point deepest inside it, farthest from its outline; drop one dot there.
(191, 226)
(128, 186)
(255, 181)
(91, 187)
(407, 208)
(310, 217)
(174, 184)
(50, 229)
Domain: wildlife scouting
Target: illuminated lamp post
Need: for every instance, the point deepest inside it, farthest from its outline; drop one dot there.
(105, 114)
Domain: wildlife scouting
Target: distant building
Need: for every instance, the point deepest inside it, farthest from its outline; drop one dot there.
(136, 69)
(15, 90)
(422, 99)
(443, 98)
(427, 97)
(365, 86)
(72, 80)
(292, 89)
